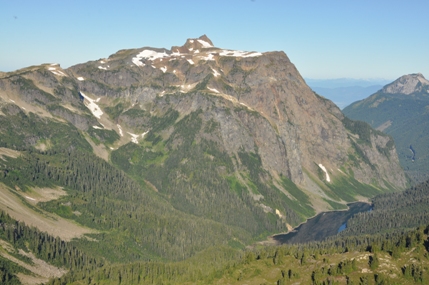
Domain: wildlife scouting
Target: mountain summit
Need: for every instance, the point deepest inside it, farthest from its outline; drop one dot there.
(220, 143)
(400, 109)
(407, 84)
(202, 42)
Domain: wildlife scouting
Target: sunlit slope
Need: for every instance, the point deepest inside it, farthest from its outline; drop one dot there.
(404, 116)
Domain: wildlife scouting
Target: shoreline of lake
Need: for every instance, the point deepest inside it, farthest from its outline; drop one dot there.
(328, 211)
(321, 225)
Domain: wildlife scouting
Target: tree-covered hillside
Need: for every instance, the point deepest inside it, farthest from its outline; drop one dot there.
(406, 118)
(388, 245)
(397, 253)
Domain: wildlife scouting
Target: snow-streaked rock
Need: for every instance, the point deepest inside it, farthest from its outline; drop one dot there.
(92, 106)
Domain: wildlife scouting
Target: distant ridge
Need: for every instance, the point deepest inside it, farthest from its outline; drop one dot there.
(407, 84)
(344, 91)
(345, 82)
(344, 96)
(401, 109)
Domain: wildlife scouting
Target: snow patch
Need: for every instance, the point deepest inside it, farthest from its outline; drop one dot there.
(97, 127)
(134, 138)
(102, 67)
(215, 73)
(149, 55)
(190, 61)
(326, 172)
(248, 107)
(186, 88)
(196, 51)
(213, 89)
(239, 53)
(56, 72)
(137, 61)
(80, 78)
(29, 198)
(120, 130)
(94, 108)
(205, 44)
(210, 56)
(12, 100)
(164, 69)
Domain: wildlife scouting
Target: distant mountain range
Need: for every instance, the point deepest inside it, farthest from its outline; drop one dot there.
(344, 91)
(345, 82)
(401, 109)
(344, 96)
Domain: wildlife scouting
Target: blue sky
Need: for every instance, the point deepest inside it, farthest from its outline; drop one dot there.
(324, 39)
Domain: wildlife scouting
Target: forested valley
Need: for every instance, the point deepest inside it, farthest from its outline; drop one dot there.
(141, 239)
(394, 232)
(133, 224)
(395, 254)
(396, 257)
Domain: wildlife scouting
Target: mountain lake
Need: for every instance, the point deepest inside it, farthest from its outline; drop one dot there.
(322, 225)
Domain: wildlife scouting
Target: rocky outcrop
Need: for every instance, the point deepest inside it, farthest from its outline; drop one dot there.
(406, 84)
(79, 121)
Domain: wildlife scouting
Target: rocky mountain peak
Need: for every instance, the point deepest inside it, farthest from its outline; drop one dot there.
(253, 108)
(407, 84)
(206, 39)
(194, 45)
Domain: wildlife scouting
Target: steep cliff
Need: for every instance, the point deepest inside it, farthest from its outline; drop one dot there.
(205, 125)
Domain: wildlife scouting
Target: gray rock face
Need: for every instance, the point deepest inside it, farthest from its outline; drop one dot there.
(259, 101)
(406, 84)
(79, 121)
